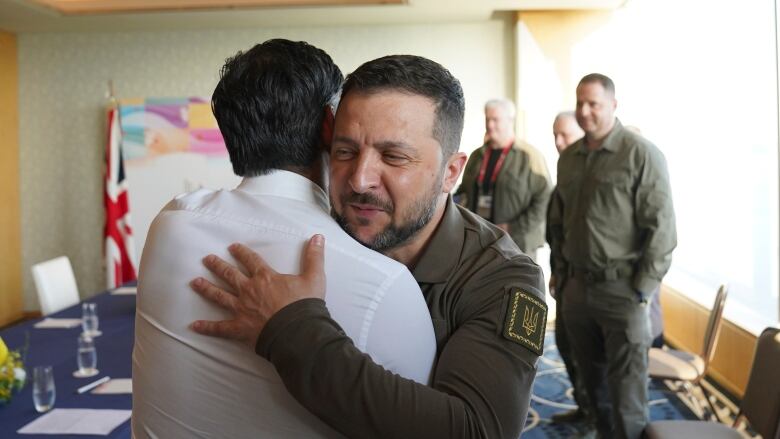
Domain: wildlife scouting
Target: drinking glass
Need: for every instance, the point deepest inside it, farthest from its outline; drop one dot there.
(44, 392)
(89, 319)
(87, 356)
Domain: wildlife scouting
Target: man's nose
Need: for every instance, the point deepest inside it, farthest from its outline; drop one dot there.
(365, 175)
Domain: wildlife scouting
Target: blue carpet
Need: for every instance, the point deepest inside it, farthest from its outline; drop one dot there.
(552, 394)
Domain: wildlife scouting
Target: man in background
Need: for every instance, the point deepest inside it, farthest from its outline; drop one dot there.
(566, 132)
(506, 180)
(613, 232)
(394, 162)
(274, 107)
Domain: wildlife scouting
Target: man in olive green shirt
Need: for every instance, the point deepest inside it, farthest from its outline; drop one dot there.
(506, 180)
(613, 232)
(566, 131)
(394, 161)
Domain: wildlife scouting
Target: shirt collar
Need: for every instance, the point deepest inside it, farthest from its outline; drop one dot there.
(443, 251)
(286, 184)
(611, 142)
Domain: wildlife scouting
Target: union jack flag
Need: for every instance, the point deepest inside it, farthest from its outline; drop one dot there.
(119, 248)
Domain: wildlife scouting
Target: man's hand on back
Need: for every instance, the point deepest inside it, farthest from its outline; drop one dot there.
(259, 295)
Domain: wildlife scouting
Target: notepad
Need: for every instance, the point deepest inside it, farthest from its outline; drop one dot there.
(77, 421)
(49, 323)
(119, 385)
(124, 291)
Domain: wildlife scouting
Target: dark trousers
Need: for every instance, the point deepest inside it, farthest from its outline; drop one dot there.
(609, 332)
(564, 348)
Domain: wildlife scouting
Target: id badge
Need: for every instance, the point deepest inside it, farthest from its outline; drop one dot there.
(485, 206)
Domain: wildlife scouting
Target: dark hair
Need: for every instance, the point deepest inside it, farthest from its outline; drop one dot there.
(604, 80)
(420, 76)
(269, 104)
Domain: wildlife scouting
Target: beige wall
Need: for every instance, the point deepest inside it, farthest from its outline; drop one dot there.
(63, 86)
(10, 250)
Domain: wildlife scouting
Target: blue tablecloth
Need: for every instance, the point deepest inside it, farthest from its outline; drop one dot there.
(57, 347)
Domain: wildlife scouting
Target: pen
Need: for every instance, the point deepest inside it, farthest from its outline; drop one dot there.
(91, 386)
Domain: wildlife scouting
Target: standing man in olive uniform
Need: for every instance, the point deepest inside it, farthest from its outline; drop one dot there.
(506, 180)
(613, 232)
(566, 131)
(394, 161)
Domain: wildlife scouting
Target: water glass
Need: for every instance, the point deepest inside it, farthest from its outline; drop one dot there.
(87, 356)
(44, 392)
(89, 319)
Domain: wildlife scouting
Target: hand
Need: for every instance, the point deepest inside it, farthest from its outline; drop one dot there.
(504, 227)
(551, 286)
(260, 295)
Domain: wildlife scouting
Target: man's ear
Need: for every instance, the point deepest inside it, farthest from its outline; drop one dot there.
(326, 131)
(452, 170)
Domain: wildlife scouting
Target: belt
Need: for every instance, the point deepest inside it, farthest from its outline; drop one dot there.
(622, 271)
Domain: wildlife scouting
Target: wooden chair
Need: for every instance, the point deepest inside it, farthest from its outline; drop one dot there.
(760, 405)
(688, 368)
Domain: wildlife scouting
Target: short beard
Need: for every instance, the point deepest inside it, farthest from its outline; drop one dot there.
(420, 214)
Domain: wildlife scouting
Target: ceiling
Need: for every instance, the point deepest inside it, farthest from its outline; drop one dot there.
(37, 15)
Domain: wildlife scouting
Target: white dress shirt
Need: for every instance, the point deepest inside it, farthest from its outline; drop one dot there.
(187, 385)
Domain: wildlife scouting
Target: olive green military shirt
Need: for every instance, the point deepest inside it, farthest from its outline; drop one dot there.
(520, 196)
(489, 316)
(613, 207)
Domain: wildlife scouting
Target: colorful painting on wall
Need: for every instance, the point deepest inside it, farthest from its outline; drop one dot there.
(170, 146)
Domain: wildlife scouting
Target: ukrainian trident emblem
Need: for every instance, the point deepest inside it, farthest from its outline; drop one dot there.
(530, 320)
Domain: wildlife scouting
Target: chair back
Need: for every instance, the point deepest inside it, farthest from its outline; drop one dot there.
(761, 403)
(712, 332)
(55, 284)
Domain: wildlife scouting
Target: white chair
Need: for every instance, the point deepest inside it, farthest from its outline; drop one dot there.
(55, 284)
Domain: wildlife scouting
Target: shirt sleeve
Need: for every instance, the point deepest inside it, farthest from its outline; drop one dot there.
(655, 218)
(533, 216)
(481, 386)
(555, 237)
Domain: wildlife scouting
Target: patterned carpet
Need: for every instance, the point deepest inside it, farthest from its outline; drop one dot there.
(552, 394)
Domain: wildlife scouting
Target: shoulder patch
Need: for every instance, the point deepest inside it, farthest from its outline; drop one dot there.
(526, 321)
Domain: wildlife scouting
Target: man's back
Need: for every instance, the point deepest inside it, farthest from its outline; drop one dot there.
(187, 385)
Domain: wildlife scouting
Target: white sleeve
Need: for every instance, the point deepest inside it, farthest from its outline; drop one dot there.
(401, 337)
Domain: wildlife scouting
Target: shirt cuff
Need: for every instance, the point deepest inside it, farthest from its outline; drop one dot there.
(646, 285)
(290, 315)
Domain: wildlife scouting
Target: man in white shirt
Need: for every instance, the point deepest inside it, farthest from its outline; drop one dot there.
(273, 107)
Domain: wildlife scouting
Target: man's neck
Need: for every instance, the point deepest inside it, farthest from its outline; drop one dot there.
(594, 141)
(410, 253)
(493, 144)
(316, 173)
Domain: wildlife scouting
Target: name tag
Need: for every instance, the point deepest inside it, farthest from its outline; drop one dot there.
(485, 206)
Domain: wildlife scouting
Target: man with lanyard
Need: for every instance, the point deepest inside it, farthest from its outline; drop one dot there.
(506, 180)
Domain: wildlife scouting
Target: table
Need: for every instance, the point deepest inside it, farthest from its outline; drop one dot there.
(57, 347)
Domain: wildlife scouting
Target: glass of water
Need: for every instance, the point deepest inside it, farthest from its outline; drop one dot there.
(44, 392)
(87, 356)
(89, 319)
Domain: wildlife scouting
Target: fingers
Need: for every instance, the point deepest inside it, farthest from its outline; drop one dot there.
(313, 264)
(214, 294)
(222, 329)
(230, 274)
(249, 259)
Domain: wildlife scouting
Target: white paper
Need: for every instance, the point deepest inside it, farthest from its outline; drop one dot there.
(124, 291)
(77, 421)
(120, 385)
(49, 323)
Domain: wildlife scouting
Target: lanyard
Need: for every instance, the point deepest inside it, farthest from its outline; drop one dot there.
(499, 163)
